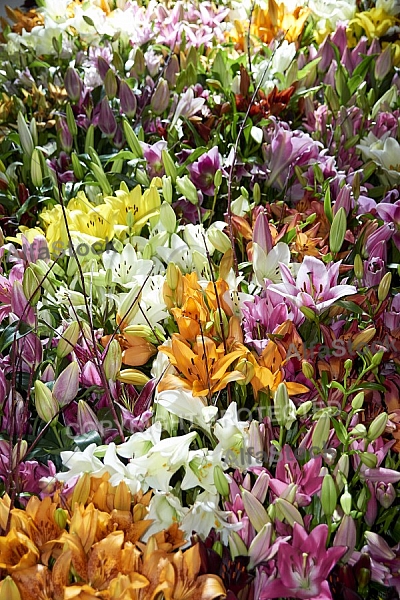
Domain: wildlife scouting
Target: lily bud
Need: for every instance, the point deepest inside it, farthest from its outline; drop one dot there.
(107, 123)
(346, 501)
(132, 140)
(289, 512)
(160, 98)
(307, 369)
(68, 341)
(383, 63)
(45, 403)
(363, 338)
(87, 420)
(386, 494)
(217, 547)
(262, 233)
(133, 377)
(31, 287)
(61, 517)
(102, 66)
(73, 84)
(219, 239)
(358, 267)
(328, 495)
(341, 471)
(25, 135)
(167, 189)
(384, 287)
(81, 490)
(247, 368)
(139, 64)
(169, 165)
(172, 71)
(66, 386)
(36, 169)
(168, 217)
(257, 514)
(127, 98)
(89, 139)
(285, 410)
(9, 590)
(220, 481)
(304, 408)
(358, 401)
(377, 427)
(321, 431)
(71, 121)
(123, 497)
(346, 535)
(218, 179)
(113, 360)
(237, 547)
(338, 231)
(64, 135)
(368, 459)
(187, 189)
(257, 193)
(308, 313)
(110, 84)
(174, 276)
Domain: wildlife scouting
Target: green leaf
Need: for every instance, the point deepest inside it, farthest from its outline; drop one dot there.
(340, 431)
(14, 331)
(221, 71)
(84, 440)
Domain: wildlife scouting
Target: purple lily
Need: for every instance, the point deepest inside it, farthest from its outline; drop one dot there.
(203, 170)
(391, 317)
(390, 214)
(315, 286)
(153, 156)
(304, 566)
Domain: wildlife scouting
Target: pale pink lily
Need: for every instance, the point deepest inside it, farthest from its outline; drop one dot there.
(315, 286)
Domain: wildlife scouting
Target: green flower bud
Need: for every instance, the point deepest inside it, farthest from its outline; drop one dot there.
(328, 495)
(358, 401)
(308, 369)
(89, 140)
(167, 189)
(61, 517)
(72, 126)
(45, 403)
(219, 239)
(110, 84)
(218, 179)
(384, 287)
(346, 501)
(304, 408)
(187, 189)
(36, 169)
(321, 431)
(220, 481)
(132, 140)
(31, 287)
(68, 341)
(113, 360)
(9, 590)
(77, 166)
(358, 267)
(168, 217)
(338, 231)
(377, 427)
(25, 135)
(257, 514)
(368, 459)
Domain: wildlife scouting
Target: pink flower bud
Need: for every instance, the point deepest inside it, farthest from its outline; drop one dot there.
(87, 420)
(107, 123)
(64, 135)
(66, 386)
(73, 84)
(262, 233)
(385, 494)
(160, 99)
(127, 99)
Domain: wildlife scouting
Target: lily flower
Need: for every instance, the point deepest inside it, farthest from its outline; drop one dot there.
(315, 286)
(304, 566)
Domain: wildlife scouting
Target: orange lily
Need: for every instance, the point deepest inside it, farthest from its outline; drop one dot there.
(203, 369)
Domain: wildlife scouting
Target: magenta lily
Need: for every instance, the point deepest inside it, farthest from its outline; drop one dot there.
(304, 566)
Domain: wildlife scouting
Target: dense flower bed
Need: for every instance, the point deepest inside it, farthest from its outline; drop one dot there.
(199, 300)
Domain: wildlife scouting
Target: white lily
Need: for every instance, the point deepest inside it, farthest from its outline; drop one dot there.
(266, 266)
(204, 515)
(164, 510)
(80, 462)
(200, 470)
(127, 269)
(183, 404)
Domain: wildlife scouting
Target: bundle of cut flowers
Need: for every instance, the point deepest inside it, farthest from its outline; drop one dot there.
(200, 300)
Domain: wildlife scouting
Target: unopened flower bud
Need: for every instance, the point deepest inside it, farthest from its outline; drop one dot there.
(346, 501)
(172, 71)
(386, 494)
(169, 165)
(255, 511)
(218, 178)
(160, 98)
(217, 547)
(132, 140)
(123, 497)
(113, 360)
(257, 193)
(61, 517)
(36, 169)
(31, 287)
(377, 427)
(174, 276)
(304, 408)
(168, 217)
(45, 403)
(377, 358)
(110, 84)
(25, 135)
(220, 481)
(247, 368)
(308, 369)
(383, 63)
(66, 386)
(107, 123)
(73, 84)
(187, 189)
(358, 401)
(64, 135)
(9, 590)
(81, 490)
(384, 287)
(328, 495)
(87, 420)
(133, 377)
(341, 471)
(68, 341)
(321, 431)
(139, 64)
(72, 126)
(368, 459)
(219, 239)
(127, 98)
(167, 189)
(338, 231)
(363, 338)
(308, 313)
(359, 431)
(358, 267)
